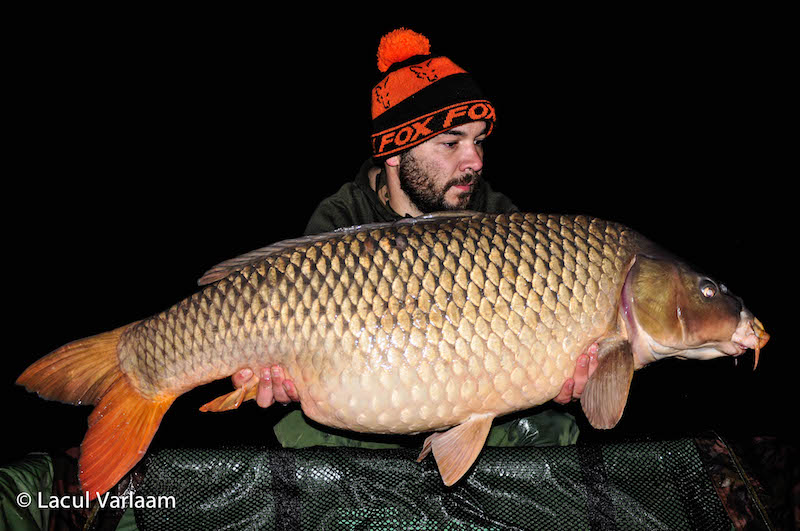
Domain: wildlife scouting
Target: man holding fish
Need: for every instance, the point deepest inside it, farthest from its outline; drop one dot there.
(430, 120)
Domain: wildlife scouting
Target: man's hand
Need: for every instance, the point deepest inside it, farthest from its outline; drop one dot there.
(273, 386)
(573, 387)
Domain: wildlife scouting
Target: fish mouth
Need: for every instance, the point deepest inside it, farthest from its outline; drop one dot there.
(750, 334)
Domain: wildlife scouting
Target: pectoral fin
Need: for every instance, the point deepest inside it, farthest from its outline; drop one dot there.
(606, 392)
(234, 399)
(456, 449)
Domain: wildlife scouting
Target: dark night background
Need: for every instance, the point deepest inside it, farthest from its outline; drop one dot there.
(140, 155)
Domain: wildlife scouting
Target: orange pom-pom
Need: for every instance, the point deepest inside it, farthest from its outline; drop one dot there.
(399, 45)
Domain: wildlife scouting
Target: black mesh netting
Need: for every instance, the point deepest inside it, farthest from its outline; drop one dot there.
(644, 485)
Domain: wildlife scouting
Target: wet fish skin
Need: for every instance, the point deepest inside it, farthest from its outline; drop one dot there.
(413, 326)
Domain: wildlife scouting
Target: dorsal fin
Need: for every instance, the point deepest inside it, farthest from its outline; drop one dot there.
(223, 269)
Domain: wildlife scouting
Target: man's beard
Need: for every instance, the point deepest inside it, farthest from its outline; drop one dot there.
(420, 187)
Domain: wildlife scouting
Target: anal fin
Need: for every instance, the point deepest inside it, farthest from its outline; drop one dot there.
(456, 449)
(606, 392)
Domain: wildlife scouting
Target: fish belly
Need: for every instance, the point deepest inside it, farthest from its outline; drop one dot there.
(402, 329)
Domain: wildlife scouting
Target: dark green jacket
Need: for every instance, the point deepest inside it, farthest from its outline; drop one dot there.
(356, 203)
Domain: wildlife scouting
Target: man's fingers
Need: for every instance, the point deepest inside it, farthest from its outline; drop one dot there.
(573, 387)
(273, 385)
(278, 390)
(291, 390)
(264, 395)
(565, 395)
(593, 361)
(581, 375)
(587, 363)
(239, 379)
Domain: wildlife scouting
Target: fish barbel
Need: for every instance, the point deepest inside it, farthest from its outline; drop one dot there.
(443, 322)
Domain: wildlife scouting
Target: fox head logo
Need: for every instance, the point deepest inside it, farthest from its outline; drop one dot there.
(425, 71)
(382, 94)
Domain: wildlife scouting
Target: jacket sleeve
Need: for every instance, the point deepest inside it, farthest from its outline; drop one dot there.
(333, 212)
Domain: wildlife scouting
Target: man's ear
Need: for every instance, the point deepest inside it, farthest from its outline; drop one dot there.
(393, 161)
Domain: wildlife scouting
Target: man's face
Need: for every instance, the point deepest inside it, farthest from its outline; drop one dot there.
(441, 174)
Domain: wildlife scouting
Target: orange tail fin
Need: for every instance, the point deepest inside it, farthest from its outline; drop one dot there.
(123, 423)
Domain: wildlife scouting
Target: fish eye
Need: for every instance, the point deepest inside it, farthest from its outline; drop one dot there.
(708, 288)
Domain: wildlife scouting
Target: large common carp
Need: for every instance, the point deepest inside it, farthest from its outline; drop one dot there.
(437, 323)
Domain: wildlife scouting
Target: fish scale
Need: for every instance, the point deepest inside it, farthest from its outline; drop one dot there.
(401, 329)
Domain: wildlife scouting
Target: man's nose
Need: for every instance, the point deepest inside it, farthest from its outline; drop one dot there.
(473, 158)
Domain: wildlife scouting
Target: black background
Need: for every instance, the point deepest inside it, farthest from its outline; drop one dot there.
(145, 148)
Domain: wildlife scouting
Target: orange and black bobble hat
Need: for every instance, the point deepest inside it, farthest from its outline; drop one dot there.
(420, 95)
